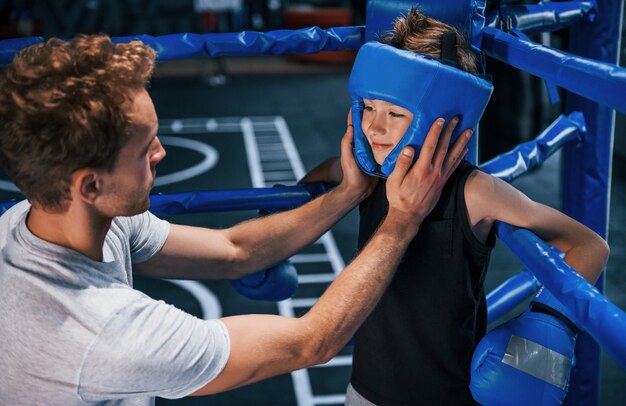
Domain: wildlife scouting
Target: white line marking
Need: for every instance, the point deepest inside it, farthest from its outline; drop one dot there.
(329, 400)
(336, 259)
(252, 152)
(316, 278)
(267, 147)
(275, 174)
(210, 305)
(176, 126)
(277, 165)
(273, 155)
(304, 302)
(339, 361)
(211, 156)
(274, 158)
(267, 139)
(211, 125)
(308, 258)
(301, 383)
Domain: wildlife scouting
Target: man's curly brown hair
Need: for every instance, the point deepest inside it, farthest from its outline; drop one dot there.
(418, 33)
(63, 107)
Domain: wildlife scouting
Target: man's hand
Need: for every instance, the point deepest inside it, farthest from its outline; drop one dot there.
(412, 192)
(354, 179)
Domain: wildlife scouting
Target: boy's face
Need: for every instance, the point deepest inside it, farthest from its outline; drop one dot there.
(384, 125)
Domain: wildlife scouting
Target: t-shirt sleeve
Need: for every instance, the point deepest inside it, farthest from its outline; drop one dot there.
(151, 348)
(147, 234)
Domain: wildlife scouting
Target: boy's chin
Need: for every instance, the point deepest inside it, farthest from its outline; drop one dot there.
(380, 160)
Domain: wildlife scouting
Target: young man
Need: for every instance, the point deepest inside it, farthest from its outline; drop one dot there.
(416, 347)
(78, 135)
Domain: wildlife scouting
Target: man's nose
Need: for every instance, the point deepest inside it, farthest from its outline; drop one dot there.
(159, 154)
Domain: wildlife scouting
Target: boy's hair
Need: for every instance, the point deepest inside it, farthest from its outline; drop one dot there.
(63, 107)
(419, 33)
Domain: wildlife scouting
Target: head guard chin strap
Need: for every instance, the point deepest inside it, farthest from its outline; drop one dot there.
(424, 86)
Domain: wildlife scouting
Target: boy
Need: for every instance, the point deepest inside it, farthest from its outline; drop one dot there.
(417, 344)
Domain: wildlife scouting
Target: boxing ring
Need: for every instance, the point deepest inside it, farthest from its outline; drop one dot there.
(595, 86)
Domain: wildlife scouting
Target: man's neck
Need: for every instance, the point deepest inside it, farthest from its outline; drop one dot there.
(78, 229)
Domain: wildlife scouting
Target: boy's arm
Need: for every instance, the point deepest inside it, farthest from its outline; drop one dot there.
(328, 171)
(489, 198)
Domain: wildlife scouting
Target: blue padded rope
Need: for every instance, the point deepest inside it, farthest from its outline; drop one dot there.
(598, 81)
(175, 46)
(542, 17)
(511, 293)
(604, 321)
(528, 155)
(272, 198)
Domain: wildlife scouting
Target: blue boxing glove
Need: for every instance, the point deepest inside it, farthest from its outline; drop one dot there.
(276, 283)
(526, 361)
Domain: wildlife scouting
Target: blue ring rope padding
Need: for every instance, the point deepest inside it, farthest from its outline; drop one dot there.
(598, 81)
(531, 154)
(604, 321)
(553, 92)
(175, 46)
(276, 198)
(542, 17)
(4, 206)
(511, 293)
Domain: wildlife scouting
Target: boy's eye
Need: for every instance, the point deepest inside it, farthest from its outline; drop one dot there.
(394, 114)
(368, 108)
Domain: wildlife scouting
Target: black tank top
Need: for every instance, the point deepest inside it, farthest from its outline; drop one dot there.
(416, 346)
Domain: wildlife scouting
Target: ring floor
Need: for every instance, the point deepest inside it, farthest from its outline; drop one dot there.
(313, 103)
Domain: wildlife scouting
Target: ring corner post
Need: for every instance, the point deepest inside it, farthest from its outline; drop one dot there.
(587, 175)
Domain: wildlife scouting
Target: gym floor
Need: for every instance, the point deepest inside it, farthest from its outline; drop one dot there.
(250, 123)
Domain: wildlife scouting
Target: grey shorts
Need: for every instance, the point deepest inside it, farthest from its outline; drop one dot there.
(353, 398)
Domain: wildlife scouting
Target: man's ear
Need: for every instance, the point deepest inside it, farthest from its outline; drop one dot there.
(86, 185)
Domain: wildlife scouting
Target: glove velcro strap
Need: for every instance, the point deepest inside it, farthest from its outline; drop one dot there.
(541, 308)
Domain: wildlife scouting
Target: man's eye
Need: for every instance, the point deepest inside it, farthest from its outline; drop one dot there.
(368, 108)
(393, 114)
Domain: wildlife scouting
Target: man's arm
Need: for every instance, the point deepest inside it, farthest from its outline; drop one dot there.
(265, 345)
(489, 198)
(201, 253)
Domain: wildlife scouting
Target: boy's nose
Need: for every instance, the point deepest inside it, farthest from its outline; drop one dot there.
(377, 127)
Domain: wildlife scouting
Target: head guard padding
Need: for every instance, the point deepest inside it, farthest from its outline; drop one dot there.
(422, 85)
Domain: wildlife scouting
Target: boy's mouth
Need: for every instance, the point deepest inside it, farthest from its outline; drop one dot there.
(376, 146)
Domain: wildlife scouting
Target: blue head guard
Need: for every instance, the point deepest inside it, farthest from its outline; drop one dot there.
(427, 87)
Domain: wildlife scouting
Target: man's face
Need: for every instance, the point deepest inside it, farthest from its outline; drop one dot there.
(128, 185)
(384, 125)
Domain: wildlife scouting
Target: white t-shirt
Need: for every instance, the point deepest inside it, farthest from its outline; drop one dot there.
(73, 331)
